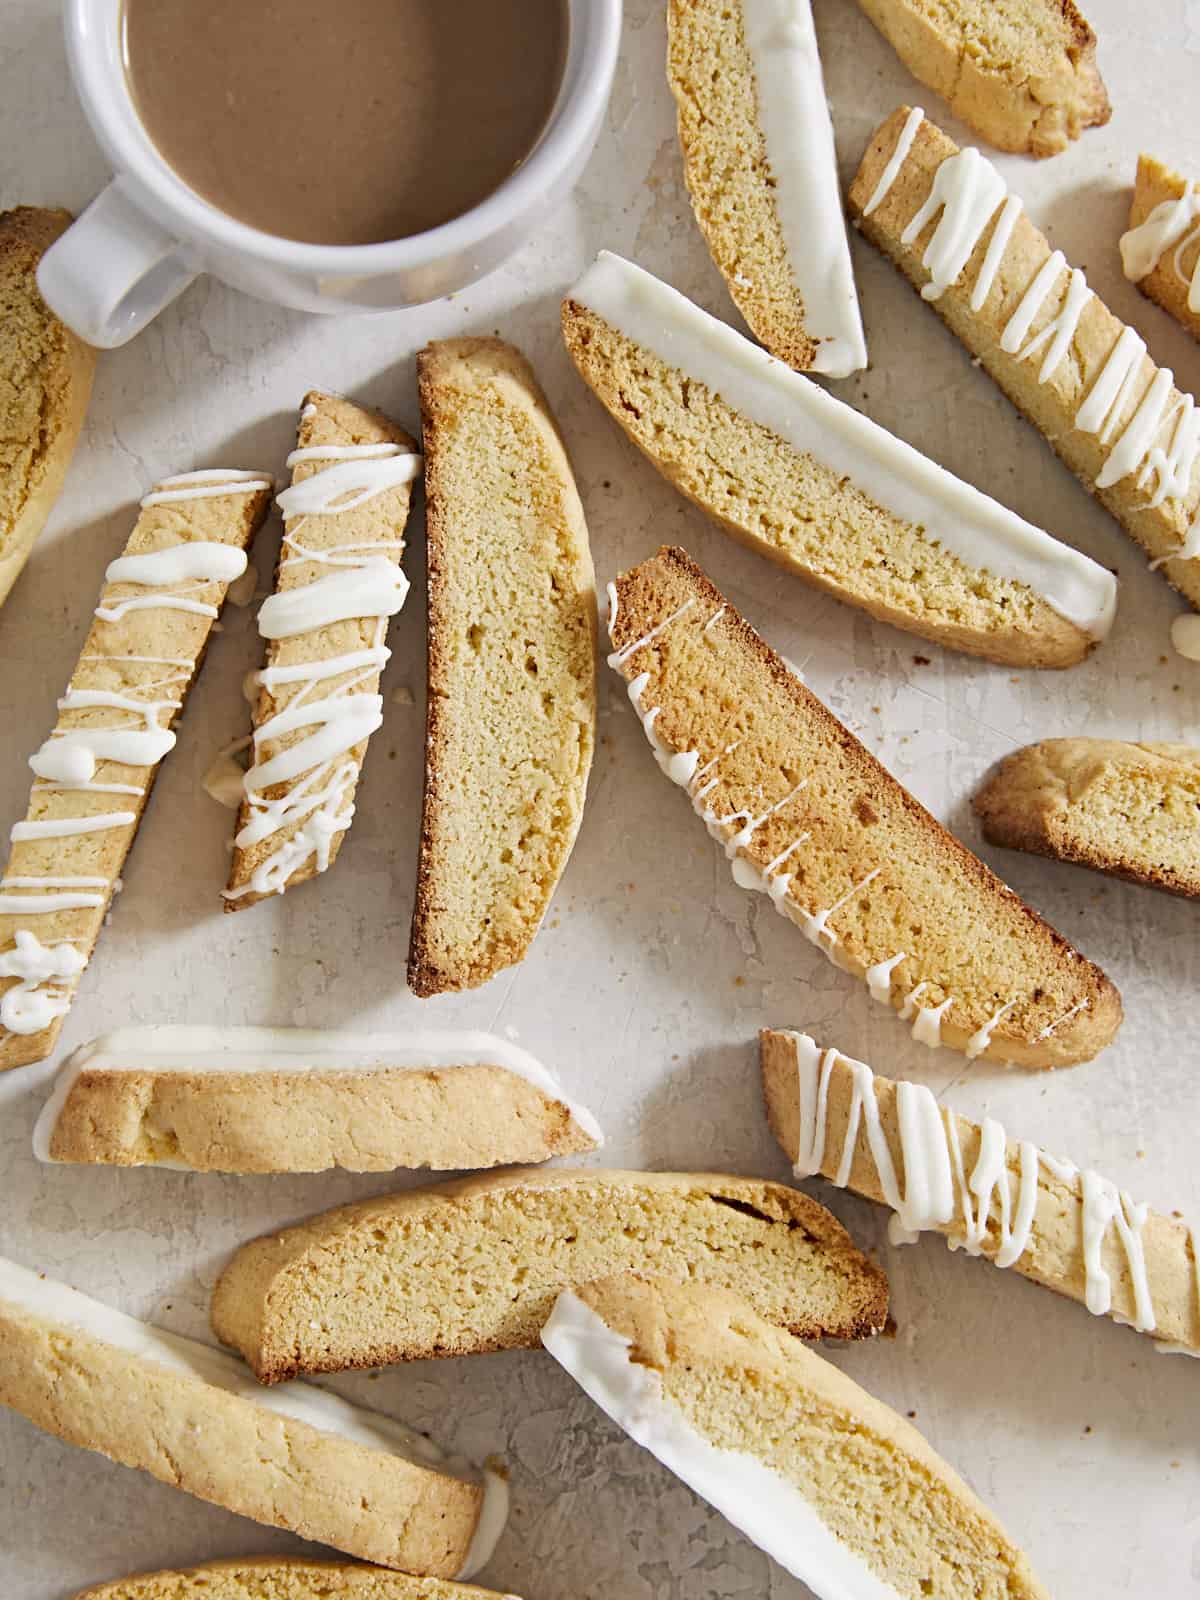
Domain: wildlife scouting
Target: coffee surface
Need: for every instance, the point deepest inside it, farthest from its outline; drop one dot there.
(344, 121)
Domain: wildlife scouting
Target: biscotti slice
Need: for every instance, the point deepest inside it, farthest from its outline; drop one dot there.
(945, 218)
(193, 1417)
(45, 385)
(1129, 809)
(761, 169)
(283, 1578)
(814, 485)
(512, 664)
(297, 1100)
(1071, 1231)
(337, 585)
(1161, 250)
(808, 817)
(1022, 74)
(835, 1487)
(94, 774)
(474, 1265)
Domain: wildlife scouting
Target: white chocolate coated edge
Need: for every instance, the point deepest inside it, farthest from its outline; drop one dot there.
(57, 1305)
(757, 1500)
(174, 1047)
(976, 529)
(793, 114)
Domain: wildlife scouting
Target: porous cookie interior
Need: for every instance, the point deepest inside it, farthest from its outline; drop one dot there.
(266, 1578)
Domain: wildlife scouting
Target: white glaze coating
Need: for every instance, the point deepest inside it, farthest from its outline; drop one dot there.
(761, 1502)
(175, 1047)
(374, 588)
(977, 530)
(895, 161)
(798, 137)
(67, 827)
(966, 194)
(934, 1173)
(359, 473)
(36, 1000)
(179, 563)
(1166, 228)
(207, 484)
(71, 757)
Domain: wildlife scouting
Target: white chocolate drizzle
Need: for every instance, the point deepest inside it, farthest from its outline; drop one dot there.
(947, 512)
(359, 583)
(1143, 247)
(934, 1173)
(37, 998)
(896, 160)
(967, 190)
(207, 484)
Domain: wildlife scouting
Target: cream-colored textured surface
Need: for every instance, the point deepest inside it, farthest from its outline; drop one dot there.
(653, 972)
(260, 1578)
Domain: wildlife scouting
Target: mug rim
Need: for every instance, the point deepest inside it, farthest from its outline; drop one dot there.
(592, 48)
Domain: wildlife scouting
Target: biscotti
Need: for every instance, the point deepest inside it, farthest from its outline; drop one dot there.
(814, 485)
(1070, 1231)
(945, 218)
(808, 817)
(294, 1100)
(1161, 250)
(337, 585)
(474, 1265)
(94, 774)
(511, 718)
(45, 384)
(1022, 74)
(193, 1417)
(838, 1489)
(283, 1578)
(1129, 809)
(761, 170)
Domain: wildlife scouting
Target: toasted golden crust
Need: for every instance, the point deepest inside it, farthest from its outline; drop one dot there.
(443, 1119)
(804, 516)
(45, 384)
(1132, 810)
(141, 655)
(1022, 74)
(1169, 284)
(232, 1452)
(375, 528)
(281, 1578)
(867, 864)
(870, 1478)
(512, 642)
(1161, 529)
(474, 1265)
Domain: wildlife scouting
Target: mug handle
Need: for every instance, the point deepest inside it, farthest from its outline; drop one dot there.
(113, 270)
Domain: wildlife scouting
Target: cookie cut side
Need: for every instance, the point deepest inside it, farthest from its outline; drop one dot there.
(809, 818)
(282, 1578)
(1161, 250)
(1022, 74)
(1132, 810)
(473, 1266)
(819, 488)
(299, 1100)
(193, 1417)
(94, 774)
(45, 384)
(945, 218)
(761, 170)
(1069, 1230)
(835, 1487)
(512, 694)
(337, 585)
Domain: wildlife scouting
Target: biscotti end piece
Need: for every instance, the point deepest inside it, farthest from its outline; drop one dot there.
(337, 584)
(188, 1414)
(840, 1490)
(1023, 74)
(1161, 250)
(282, 1578)
(1132, 810)
(761, 170)
(45, 385)
(471, 1266)
(809, 483)
(808, 817)
(295, 1100)
(988, 1195)
(512, 642)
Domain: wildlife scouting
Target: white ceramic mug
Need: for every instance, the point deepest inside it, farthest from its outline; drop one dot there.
(147, 236)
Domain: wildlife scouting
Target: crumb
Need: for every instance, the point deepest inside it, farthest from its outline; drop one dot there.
(739, 983)
(1164, 661)
(1087, 1427)
(607, 484)
(878, 710)
(403, 696)
(910, 1415)
(921, 661)
(889, 1328)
